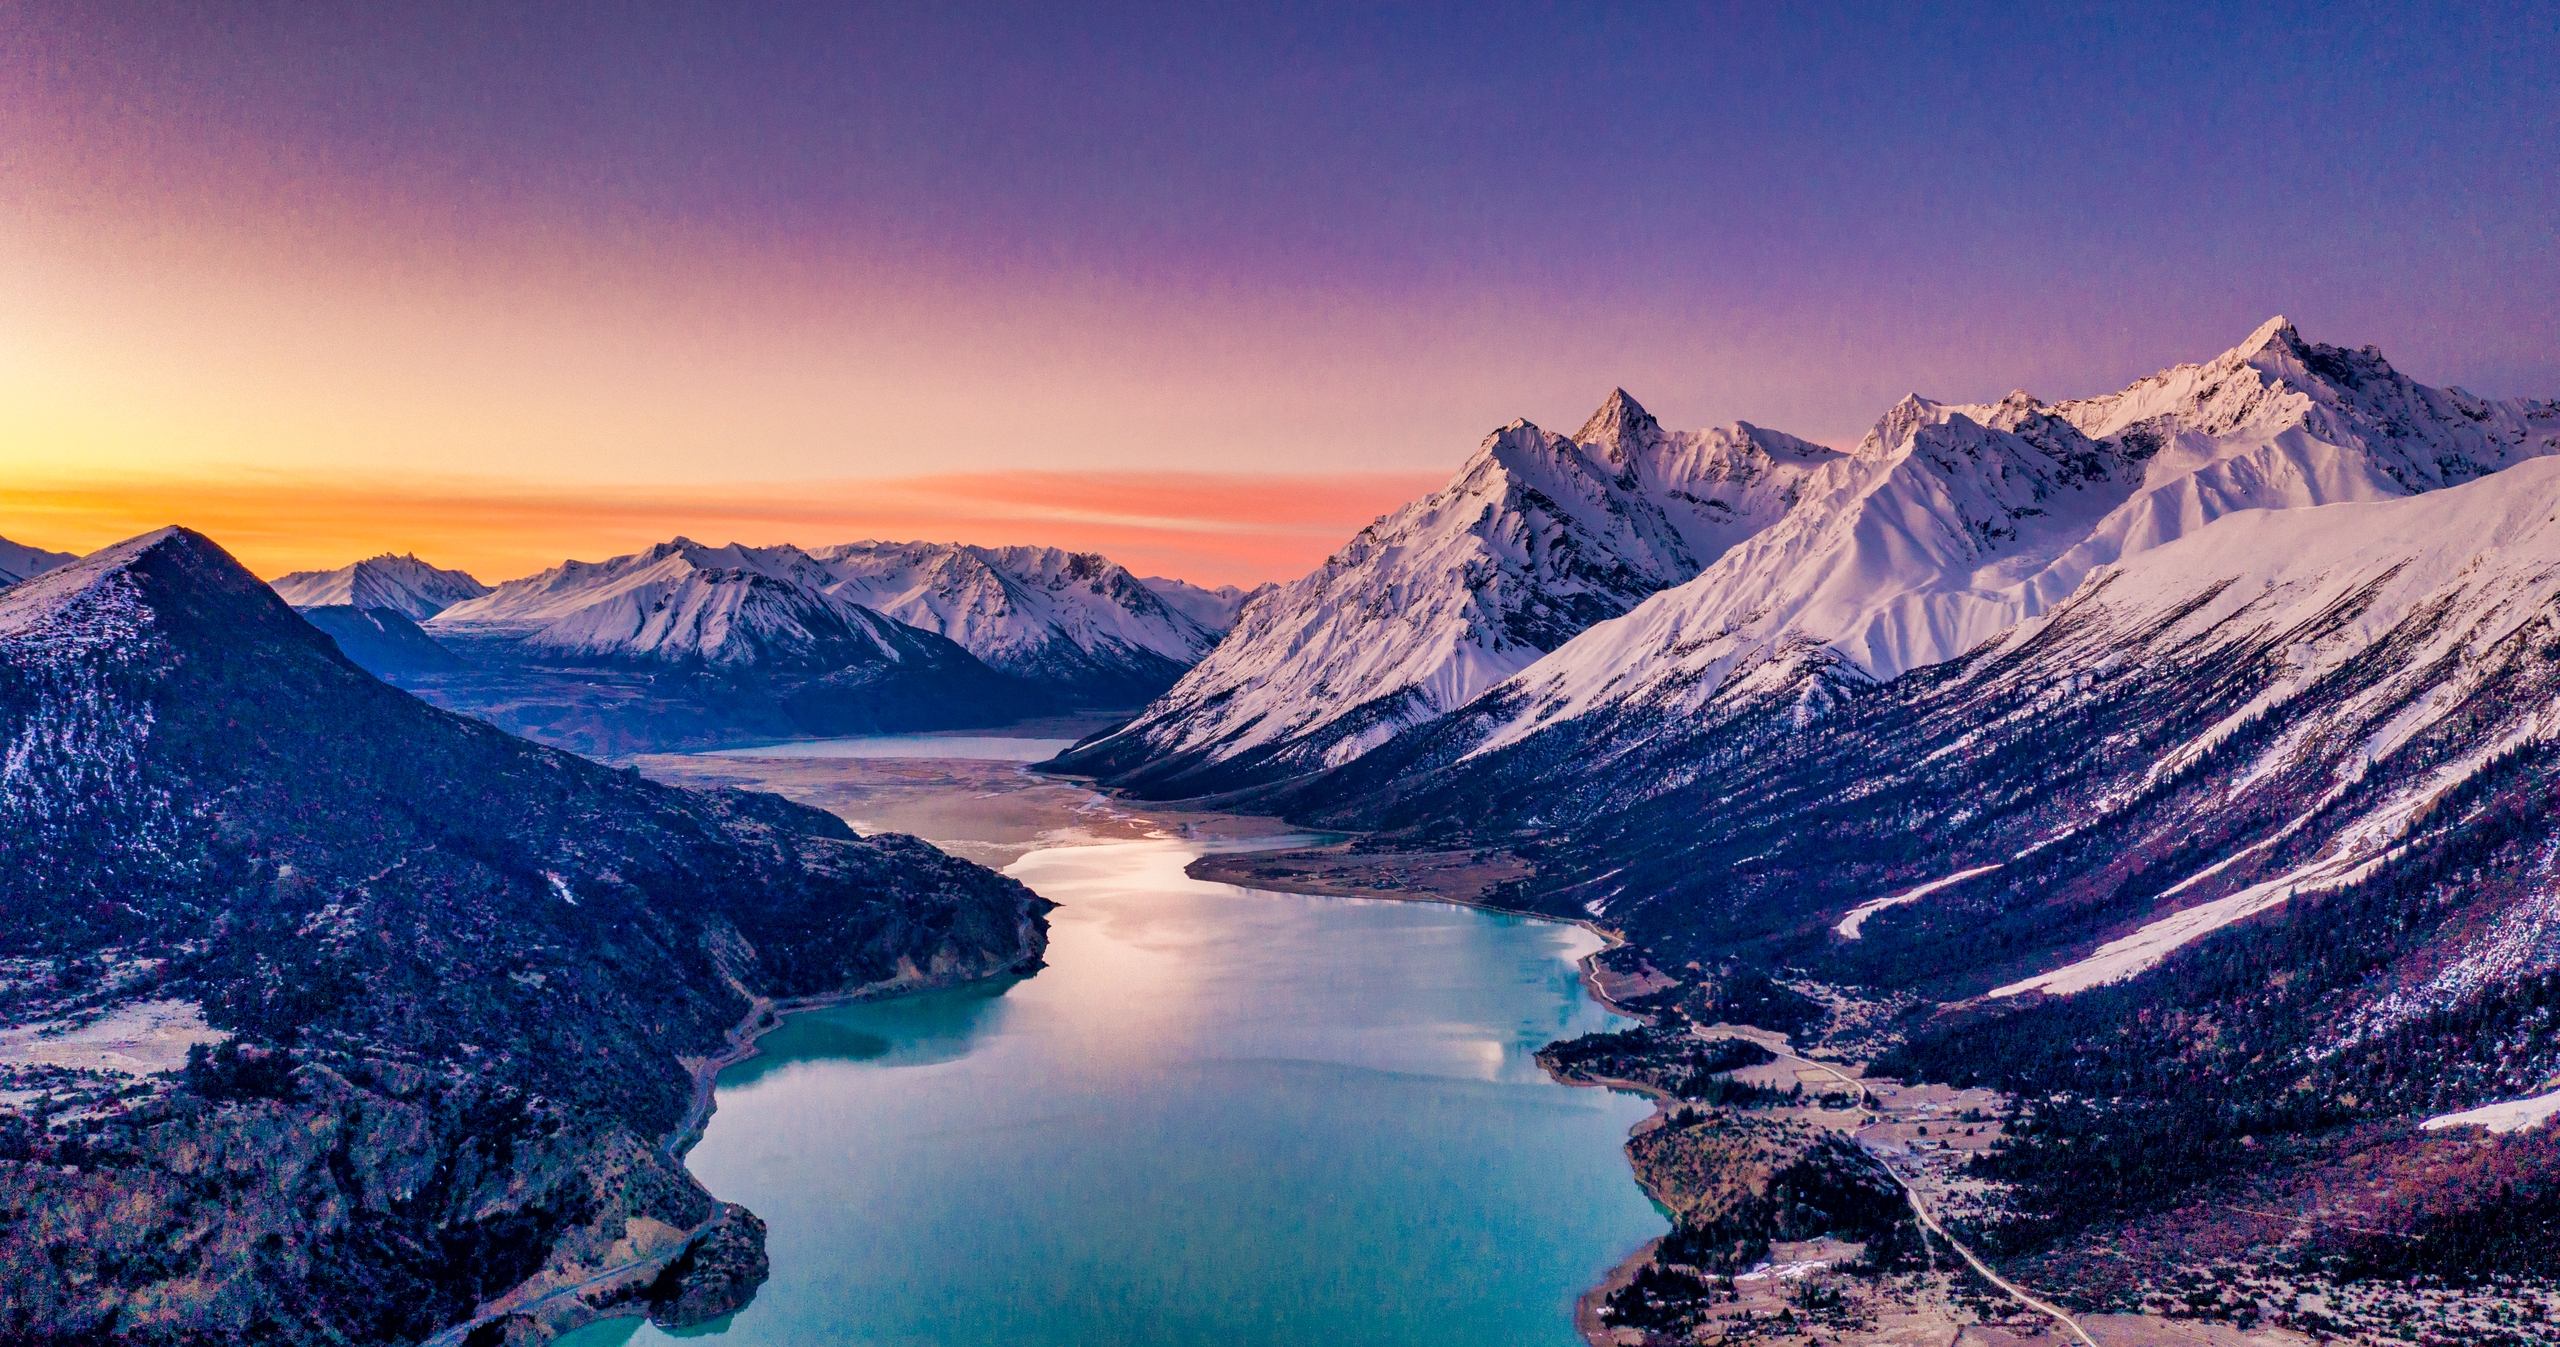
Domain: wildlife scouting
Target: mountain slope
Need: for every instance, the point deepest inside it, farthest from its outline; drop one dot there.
(403, 584)
(2232, 866)
(1216, 610)
(382, 641)
(1073, 621)
(685, 646)
(1538, 537)
(466, 984)
(1946, 527)
(18, 561)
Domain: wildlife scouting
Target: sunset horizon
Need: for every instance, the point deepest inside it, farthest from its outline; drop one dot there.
(284, 256)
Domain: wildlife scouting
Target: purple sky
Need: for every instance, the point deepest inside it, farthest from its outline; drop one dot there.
(1213, 240)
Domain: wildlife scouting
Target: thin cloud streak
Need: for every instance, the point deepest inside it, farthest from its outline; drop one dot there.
(1209, 528)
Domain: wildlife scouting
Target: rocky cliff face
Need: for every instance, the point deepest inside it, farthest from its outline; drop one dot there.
(465, 990)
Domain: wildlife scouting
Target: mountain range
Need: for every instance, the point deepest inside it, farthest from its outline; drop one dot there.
(1945, 525)
(686, 645)
(1539, 536)
(2178, 761)
(1073, 621)
(453, 999)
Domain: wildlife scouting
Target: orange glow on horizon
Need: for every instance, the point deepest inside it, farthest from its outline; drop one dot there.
(1207, 528)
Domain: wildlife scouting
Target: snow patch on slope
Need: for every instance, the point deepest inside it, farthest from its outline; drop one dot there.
(1857, 917)
(2514, 1115)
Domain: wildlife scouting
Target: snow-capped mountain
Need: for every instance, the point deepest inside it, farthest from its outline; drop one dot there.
(2262, 710)
(404, 584)
(1539, 536)
(682, 602)
(2246, 845)
(1074, 621)
(1215, 610)
(748, 640)
(19, 561)
(1951, 524)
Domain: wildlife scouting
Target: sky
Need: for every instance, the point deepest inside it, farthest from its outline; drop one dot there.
(1203, 287)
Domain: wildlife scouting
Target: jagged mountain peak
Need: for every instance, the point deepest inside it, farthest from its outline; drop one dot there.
(400, 582)
(1537, 537)
(2266, 400)
(1954, 523)
(2275, 334)
(1894, 429)
(1621, 424)
(1078, 621)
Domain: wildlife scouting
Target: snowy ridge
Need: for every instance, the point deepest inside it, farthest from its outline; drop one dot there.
(404, 584)
(1074, 619)
(19, 561)
(1952, 524)
(683, 602)
(1539, 536)
(1216, 610)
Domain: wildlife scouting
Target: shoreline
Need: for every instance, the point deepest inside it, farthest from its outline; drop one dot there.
(1586, 966)
(811, 781)
(1586, 1306)
(764, 1016)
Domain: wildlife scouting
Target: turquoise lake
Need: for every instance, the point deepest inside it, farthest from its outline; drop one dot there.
(1219, 1115)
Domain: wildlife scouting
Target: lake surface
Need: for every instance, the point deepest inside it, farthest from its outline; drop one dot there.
(1219, 1116)
(984, 747)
